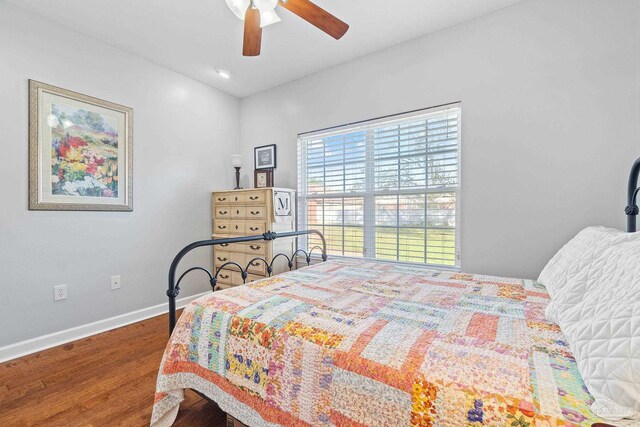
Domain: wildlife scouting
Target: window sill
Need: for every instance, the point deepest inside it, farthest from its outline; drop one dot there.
(315, 258)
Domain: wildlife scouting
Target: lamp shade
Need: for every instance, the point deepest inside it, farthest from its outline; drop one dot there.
(236, 160)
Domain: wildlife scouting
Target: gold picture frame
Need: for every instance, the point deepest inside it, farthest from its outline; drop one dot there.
(80, 151)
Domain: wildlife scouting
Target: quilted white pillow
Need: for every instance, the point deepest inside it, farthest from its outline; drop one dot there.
(603, 330)
(578, 254)
(582, 268)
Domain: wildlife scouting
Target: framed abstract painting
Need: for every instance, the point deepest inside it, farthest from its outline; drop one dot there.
(80, 151)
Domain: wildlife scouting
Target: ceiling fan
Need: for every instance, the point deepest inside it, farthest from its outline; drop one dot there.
(260, 13)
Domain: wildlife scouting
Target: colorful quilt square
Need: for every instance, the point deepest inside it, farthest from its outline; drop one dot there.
(488, 366)
(377, 403)
(247, 366)
(300, 379)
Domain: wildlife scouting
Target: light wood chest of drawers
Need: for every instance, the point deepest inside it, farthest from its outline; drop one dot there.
(251, 212)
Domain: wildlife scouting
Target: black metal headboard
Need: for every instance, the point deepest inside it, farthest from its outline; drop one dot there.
(632, 196)
(174, 286)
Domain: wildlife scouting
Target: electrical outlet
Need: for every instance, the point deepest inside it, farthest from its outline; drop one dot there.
(60, 292)
(115, 282)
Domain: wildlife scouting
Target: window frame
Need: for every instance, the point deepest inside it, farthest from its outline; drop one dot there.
(370, 193)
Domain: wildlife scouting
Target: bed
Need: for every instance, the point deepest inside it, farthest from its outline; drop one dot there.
(365, 343)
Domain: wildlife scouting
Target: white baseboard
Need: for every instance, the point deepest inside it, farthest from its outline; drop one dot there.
(33, 345)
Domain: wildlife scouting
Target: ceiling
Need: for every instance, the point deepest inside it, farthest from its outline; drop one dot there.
(197, 37)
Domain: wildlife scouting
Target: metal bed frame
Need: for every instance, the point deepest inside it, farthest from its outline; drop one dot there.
(632, 197)
(174, 285)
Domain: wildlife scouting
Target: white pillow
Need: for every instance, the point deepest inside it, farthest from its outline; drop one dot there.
(603, 330)
(578, 254)
(581, 267)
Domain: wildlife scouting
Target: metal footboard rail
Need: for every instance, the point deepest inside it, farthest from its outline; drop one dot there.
(174, 285)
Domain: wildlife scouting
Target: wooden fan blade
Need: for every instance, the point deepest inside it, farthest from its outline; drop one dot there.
(317, 16)
(252, 33)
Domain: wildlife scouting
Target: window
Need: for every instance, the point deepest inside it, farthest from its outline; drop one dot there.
(386, 188)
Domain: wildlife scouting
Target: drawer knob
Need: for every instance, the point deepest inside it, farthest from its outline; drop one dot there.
(222, 212)
(221, 259)
(236, 227)
(224, 245)
(222, 199)
(254, 197)
(236, 198)
(252, 228)
(255, 264)
(255, 247)
(237, 212)
(224, 276)
(255, 212)
(222, 227)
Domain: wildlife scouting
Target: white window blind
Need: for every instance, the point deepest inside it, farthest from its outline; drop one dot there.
(386, 188)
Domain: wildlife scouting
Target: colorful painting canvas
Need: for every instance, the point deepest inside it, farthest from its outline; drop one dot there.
(81, 151)
(84, 153)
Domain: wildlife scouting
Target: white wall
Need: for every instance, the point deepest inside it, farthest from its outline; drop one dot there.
(184, 133)
(549, 93)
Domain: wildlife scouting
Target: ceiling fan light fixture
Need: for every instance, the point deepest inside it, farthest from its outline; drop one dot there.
(260, 13)
(268, 17)
(239, 7)
(265, 4)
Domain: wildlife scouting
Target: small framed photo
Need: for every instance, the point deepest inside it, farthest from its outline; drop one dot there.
(263, 178)
(80, 151)
(265, 157)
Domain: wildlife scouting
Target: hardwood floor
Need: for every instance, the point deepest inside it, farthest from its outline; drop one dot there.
(104, 380)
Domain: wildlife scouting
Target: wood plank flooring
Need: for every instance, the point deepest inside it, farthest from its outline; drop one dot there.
(104, 380)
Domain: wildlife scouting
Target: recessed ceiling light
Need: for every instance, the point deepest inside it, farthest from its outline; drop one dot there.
(224, 74)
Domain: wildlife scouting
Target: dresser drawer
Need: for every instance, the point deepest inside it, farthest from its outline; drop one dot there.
(239, 258)
(225, 276)
(254, 227)
(236, 278)
(222, 198)
(221, 258)
(222, 286)
(253, 278)
(224, 247)
(233, 247)
(256, 266)
(222, 227)
(254, 249)
(223, 212)
(255, 197)
(237, 227)
(255, 212)
(238, 212)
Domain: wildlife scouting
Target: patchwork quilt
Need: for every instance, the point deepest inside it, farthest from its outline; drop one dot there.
(357, 343)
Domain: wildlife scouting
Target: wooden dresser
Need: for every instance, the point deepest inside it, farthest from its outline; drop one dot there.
(246, 213)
